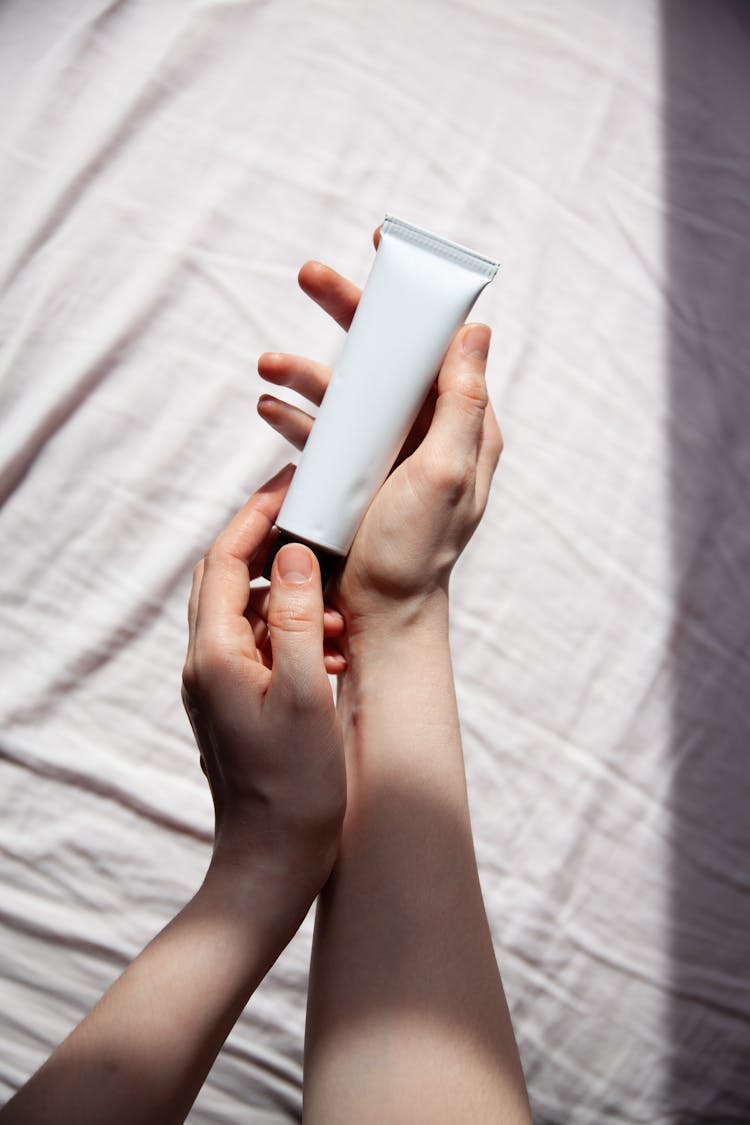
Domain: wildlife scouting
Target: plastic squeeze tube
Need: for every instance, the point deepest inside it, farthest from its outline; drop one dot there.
(420, 289)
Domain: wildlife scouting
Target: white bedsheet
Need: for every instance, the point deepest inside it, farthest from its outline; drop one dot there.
(165, 168)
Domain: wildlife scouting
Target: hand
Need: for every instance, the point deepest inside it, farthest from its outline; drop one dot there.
(260, 703)
(427, 510)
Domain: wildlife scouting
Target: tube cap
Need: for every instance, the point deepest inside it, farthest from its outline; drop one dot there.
(329, 562)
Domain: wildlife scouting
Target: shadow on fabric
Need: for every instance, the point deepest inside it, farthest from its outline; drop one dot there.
(706, 66)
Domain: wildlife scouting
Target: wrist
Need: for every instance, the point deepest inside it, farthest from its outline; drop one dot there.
(398, 671)
(397, 706)
(372, 628)
(270, 894)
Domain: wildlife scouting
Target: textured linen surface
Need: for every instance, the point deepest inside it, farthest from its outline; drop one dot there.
(165, 168)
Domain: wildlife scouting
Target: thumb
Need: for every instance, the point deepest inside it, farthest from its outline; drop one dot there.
(462, 395)
(295, 622)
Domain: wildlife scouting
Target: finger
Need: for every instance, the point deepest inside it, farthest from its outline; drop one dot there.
(376, 237)
(295, 624)
(257, 602)
(334, 660)
(456, 431)
(259, 626)
(257, 607)
(333, 623)
(305, 376)
(490, 449)
(231, 561)
(291, 422)
(193, 605)
(244, 535)
(420, 427)
(337, 296)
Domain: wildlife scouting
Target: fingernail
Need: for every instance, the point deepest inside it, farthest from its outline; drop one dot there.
(295, 564)
(476, 341)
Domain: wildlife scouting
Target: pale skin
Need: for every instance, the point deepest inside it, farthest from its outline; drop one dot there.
(272, 750)
(407, 1019)
(364, 800)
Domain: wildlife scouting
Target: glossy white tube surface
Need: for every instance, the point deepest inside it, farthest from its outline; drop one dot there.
(420, 289)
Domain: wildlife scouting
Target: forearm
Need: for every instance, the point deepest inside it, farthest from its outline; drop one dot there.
(405, 994)
(142, 1054)
(399, 715)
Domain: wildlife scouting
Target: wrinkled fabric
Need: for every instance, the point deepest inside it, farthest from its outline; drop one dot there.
(164, 171)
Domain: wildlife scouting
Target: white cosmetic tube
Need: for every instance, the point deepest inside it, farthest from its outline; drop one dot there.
(420, 289)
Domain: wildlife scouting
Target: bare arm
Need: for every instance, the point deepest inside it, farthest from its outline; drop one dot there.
(143, 1053)
(407, 1019)
(271, 749)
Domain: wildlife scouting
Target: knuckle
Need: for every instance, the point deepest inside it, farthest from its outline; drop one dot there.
(294, 615)
(453, 477)
(472, 391)
(189, 680)
(212, 557)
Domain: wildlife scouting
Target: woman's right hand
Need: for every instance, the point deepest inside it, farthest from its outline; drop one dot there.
(426, 511)
(261, 707)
